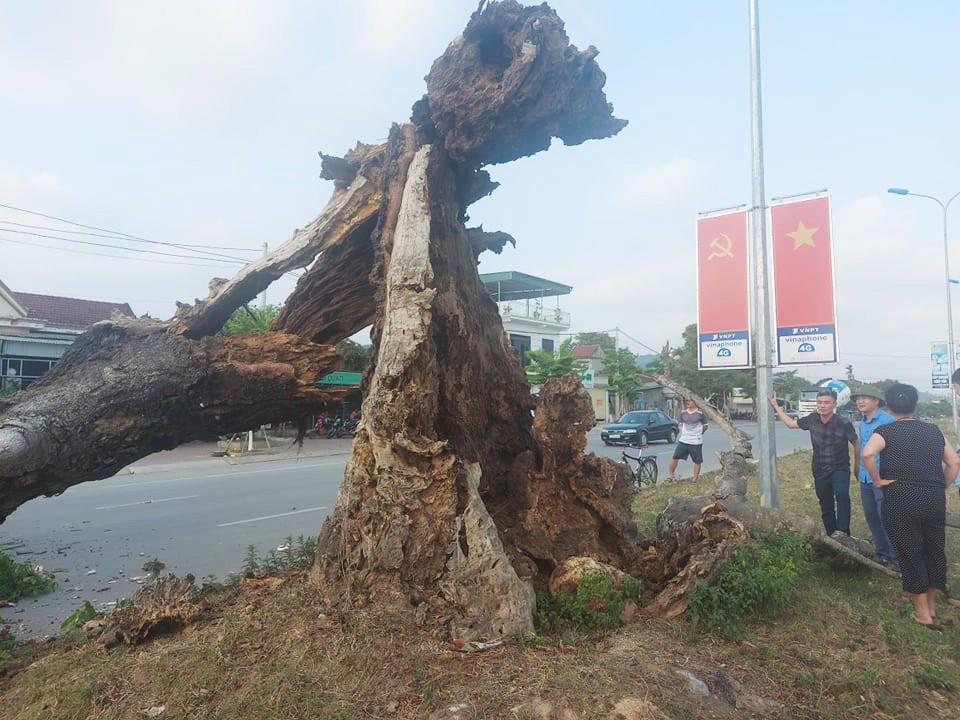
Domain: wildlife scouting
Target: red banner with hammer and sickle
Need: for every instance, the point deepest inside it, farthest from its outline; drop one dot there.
(723, 292)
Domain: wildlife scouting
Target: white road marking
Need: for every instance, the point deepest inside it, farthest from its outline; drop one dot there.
(146, 502)
(271, 517)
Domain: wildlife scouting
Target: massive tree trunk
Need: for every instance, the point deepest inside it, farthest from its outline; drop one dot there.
(447, 434)
(454, 501)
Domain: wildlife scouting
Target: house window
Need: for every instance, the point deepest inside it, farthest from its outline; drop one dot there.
(520, 345)
(546, 345)
(18, 373)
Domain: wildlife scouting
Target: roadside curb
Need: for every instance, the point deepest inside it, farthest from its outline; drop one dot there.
(214, 461)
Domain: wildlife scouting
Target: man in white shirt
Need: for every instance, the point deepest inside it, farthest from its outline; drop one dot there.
(693, 424)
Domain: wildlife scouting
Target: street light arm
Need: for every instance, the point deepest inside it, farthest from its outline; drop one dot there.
(951, 346)
(931, 197)
(955, 196)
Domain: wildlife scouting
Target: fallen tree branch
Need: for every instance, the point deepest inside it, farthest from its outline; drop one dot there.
(731, 490)
(135, 389)
(346, 210)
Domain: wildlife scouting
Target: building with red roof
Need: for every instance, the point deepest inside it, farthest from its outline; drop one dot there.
(35, 331)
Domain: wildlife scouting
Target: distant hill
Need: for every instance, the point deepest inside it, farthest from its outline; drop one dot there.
(642, 361)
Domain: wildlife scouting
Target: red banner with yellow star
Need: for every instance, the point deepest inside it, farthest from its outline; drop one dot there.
(723, 299)
(803, 283)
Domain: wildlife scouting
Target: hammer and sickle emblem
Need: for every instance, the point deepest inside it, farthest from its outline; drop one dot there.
(721, 249)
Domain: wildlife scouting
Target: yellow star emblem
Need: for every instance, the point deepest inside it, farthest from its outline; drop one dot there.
(802, 235)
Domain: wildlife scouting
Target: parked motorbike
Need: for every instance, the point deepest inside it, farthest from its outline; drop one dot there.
(322, 427)
(333, 429)
(349, 427)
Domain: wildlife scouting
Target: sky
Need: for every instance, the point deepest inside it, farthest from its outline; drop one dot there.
(198, 122)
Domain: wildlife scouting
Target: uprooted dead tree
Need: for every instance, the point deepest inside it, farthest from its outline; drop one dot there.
(457, 500)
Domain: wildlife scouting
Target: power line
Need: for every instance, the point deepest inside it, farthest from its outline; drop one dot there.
(903, 357)
(119, 247)
(118, 257)
(120, 235)
(641, 344)
(116, 236)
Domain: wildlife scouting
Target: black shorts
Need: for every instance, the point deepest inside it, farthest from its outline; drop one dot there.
(685, 450)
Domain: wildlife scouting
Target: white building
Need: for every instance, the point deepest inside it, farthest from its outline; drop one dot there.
(530, 309)
(596, 380)
(533, 320)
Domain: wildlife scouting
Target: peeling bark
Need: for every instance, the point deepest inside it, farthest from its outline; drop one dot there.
(566, 503)
(447, 406)
(160, 607)
(436, 398)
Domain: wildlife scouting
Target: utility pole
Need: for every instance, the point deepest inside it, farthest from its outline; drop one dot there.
(767, 440)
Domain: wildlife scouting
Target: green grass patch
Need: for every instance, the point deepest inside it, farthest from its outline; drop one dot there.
(76, 619)
(596, 604)
(18, 580)
(299, 553)
(764, 573)
(7, 643)
(934, 678)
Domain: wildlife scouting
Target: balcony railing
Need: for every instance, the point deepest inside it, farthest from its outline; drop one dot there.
(548, 316)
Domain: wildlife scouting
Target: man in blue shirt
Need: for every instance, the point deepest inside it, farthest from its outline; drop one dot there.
(869, 401)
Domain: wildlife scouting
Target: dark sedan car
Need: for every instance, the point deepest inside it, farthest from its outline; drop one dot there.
(639, 427)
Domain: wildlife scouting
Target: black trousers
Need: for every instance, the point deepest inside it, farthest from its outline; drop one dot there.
(914, 515)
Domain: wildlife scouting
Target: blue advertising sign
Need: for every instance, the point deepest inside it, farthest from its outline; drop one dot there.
(939, 366)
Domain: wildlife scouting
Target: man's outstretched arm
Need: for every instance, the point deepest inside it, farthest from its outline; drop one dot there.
(784, 418)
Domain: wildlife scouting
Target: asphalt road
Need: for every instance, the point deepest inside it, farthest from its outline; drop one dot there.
(97, 536)
(714, 440)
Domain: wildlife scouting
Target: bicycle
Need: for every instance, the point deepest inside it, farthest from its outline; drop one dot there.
(646, 472)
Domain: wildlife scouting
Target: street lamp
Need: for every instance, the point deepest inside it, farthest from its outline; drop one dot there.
(951, 348)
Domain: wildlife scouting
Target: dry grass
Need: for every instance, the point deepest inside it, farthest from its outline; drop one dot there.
(270, 650)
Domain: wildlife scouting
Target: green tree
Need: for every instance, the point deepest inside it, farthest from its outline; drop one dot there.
(937, 408)
(605, 341)
(545, 364)
(623, 376)
(355, 356)
(788, 384)
(705, 383)
(246, 319)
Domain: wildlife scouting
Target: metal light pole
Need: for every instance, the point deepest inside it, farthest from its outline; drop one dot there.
(951, 348)
(767, 450)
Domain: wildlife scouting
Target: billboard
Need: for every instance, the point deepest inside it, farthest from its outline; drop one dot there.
(723, 292)
(804, 301)
(939, 366)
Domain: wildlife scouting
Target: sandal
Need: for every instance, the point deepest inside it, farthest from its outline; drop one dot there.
(929, 626)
